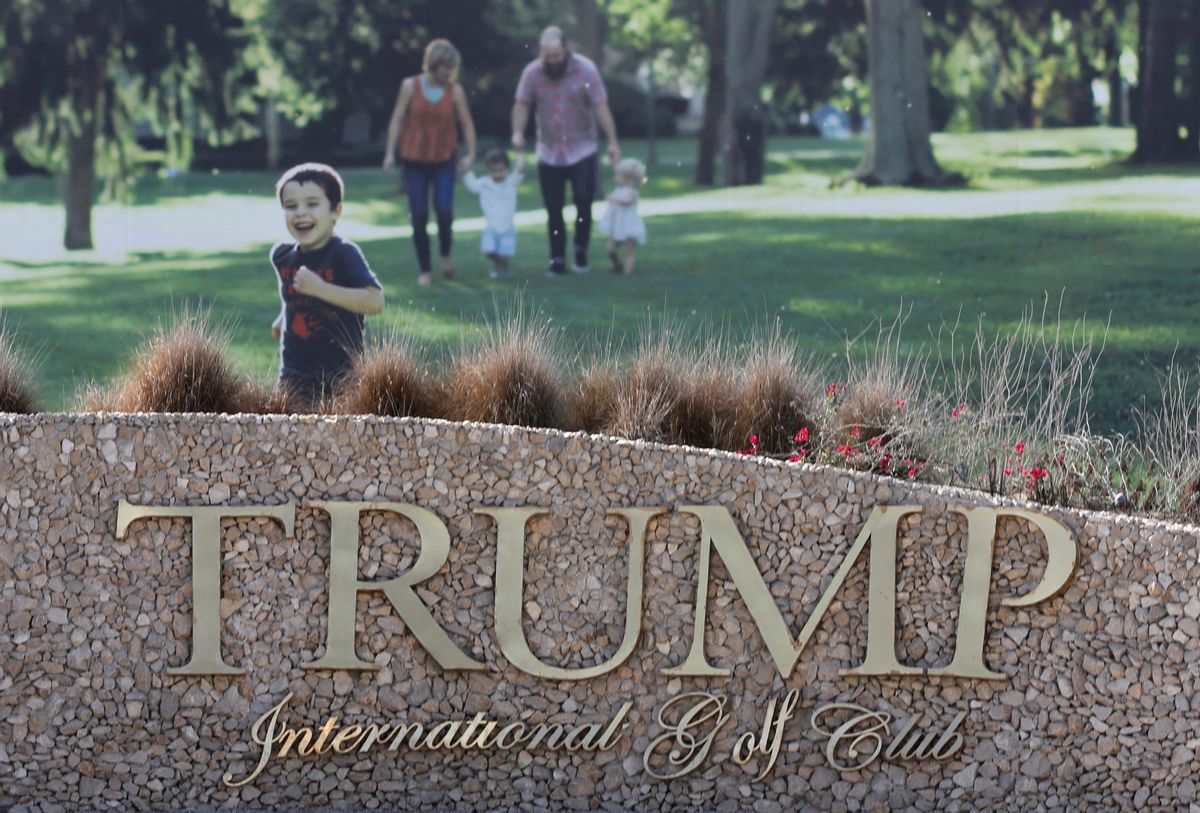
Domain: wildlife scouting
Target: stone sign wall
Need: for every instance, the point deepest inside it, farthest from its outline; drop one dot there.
(507, 671)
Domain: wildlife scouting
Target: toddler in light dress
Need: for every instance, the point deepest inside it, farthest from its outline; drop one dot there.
(621, 221)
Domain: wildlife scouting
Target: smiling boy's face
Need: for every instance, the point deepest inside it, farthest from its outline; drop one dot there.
(308, 215)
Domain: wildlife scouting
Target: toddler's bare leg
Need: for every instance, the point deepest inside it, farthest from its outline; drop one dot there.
(612, 256)
(630, 250)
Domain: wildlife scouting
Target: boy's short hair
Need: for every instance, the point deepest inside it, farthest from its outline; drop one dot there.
(495, 157)
(322, 175)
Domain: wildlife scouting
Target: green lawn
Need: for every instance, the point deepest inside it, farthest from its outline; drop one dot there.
(1045, 212)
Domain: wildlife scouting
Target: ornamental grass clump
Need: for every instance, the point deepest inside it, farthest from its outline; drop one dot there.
(706, 414)
(184, 368)
(673, 392)
(649, 394)
(880, 419)
(17, 373)
(778, 397)
(1014, 416)
(261, 399)
(93, 397)
(511, 375)
(388, 378)
(592, 397)
(1168, 435)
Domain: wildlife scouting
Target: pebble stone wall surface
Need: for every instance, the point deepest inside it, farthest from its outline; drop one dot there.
(1097, 711)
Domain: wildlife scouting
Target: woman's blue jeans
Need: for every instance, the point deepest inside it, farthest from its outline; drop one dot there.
(419, 178)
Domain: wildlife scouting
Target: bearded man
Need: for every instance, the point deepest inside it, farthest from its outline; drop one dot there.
(568, 97)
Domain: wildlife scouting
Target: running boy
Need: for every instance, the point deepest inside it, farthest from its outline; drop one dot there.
(498, 198)
(325, 284)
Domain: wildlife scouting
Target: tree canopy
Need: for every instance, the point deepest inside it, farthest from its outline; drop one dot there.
(78, 78)
(78, 73)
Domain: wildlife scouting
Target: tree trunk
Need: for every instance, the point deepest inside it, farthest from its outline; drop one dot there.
(1159, 114)
(713, 31)
(1112, 61)
(899, 151)
(79, 187)
(273, 130)
(744, 123)
(1082, 103)
(589, 31)
(651, 113)
(1191, 100)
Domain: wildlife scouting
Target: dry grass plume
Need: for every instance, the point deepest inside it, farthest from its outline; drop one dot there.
(388, 378)
(184, 368)
(511, 375)
(17, 375)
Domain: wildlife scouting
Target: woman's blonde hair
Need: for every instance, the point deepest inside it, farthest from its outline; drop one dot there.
(632, 168)
(441, 52)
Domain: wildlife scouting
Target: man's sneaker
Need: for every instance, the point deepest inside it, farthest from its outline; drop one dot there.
(557, 268)
(580, 266)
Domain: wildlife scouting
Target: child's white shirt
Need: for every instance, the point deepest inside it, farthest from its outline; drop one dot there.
(498, 200)
(623, 196)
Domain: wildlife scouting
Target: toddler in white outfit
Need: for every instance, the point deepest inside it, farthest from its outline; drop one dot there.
(497, 193)
(621, 221)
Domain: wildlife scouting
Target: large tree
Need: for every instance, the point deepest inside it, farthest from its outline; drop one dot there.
(899, 150)
(708, 16)
(1168, 124)
(76, 74)
(591, 30)
(340, 58)
(748, 28)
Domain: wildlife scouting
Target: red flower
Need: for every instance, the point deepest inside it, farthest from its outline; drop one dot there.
(855, 432)
(831, 390)
(1020, 447)
(802, 435)
(900, 402)
(796, 458)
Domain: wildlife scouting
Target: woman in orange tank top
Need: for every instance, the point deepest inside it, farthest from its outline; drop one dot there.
(424, 126)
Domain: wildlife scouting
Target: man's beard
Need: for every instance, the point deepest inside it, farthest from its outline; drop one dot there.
(557, 70)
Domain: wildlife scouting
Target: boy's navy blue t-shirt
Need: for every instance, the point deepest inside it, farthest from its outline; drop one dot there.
(320, 340)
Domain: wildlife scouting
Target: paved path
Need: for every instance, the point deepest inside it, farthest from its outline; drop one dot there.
(225, 223)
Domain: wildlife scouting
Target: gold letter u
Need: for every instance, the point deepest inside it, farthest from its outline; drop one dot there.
(510, 589)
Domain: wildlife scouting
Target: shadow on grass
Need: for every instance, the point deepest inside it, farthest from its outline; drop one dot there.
(1105, 171)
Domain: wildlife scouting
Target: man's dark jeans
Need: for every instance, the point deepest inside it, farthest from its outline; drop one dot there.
(553, 180)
